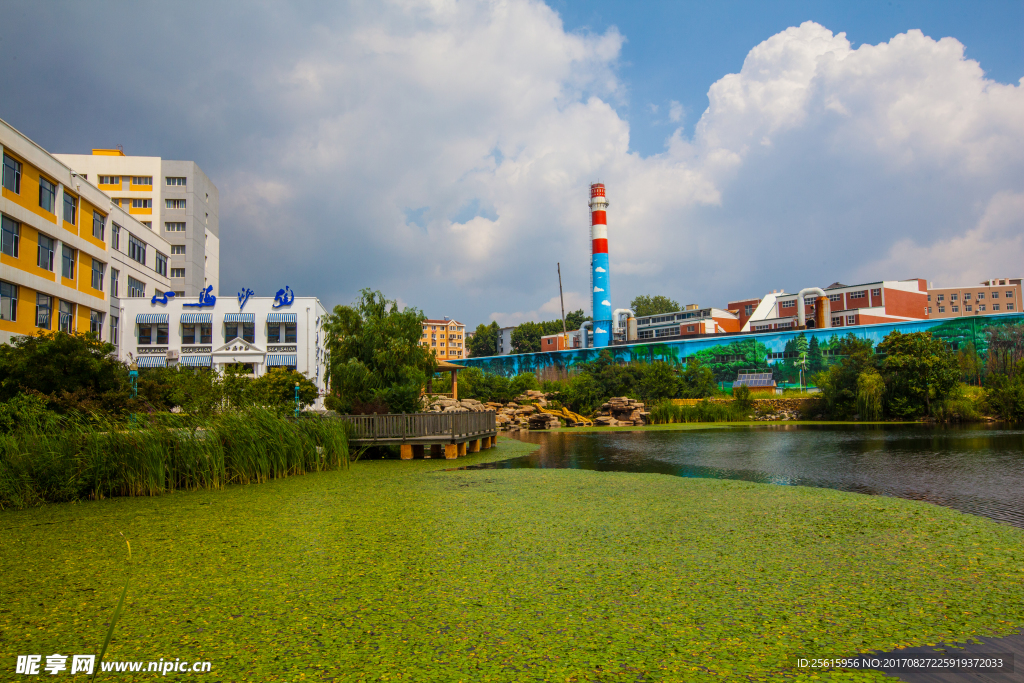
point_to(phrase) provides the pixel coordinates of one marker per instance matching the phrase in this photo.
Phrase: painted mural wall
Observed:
(784, 354)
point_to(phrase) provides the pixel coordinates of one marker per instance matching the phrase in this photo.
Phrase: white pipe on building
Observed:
(583, 333)
(630, 316)
(801, 318)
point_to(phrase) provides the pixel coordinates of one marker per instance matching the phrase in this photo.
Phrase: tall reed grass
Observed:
(79, 458)
(668, 413)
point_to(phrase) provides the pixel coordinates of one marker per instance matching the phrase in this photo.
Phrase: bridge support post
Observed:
(417, 450)
(451, 451)
(474, 446)
(462, 448)
(406, 451)
(435, 450)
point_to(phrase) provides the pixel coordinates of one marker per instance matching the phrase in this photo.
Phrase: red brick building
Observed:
(865, 304)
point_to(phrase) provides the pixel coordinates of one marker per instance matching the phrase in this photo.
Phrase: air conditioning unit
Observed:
(172, 354)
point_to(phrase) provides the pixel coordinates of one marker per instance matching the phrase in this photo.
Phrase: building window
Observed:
(858, 295)
(175, 182)
(160, 264)
(851, 320)
(748, 310)
(145, 335)
(177, 272)
(188, 334)
(995, 307)
(70, 209)
(174, 227)
(136, 289)
(142, 180)
(67, 262)
(1009, 294)
(247, 331)
(967, 308)
(44, 254)
(785, 304)
(691, 328)
(940, 297)
(148, 224)
(113, 282)
(8, 301)
(47, 195)
(177, 249)
(954, 309)
(1009, 307)
(981, 295)
(953, 297)
(66, 316)
(113, 330)
(174, 203)
(43, 306)
(995, 295)
(834, 298)
(142, 203)
(876, 292)
(110, 180)
(929, 298)
(97, 275)
(12, 175)
(981, 307)
(273, 332)
(967, 296)
(942, 309)
(837, 322)
(96, 323)
(153, 334)
(10, 236)
(206, 333)
(98, 221)
(289, 333)
(136, 249)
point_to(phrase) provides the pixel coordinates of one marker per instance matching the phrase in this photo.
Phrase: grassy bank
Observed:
(687, 426)
(401, 571)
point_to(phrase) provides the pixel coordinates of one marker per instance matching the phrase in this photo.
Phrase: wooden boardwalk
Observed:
(455, 433)
(1012, 645)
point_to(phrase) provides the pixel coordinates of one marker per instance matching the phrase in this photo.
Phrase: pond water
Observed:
(977, 469)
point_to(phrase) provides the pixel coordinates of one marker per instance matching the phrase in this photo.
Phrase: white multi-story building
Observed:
(174, 198)
(250, 333)
(69, 256)
(504, 343)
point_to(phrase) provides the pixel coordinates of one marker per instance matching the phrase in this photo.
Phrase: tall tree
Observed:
(917, 370)
(376, 356)
(526, 337)
(645, 305)
(484, 341)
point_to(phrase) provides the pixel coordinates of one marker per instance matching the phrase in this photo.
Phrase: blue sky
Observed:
(441, 151)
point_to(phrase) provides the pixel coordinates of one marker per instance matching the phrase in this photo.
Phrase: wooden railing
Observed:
(434, 426)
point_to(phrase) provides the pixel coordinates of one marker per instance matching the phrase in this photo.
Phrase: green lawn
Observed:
(399, 571)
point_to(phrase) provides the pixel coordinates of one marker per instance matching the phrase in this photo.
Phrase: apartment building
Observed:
(864, 304)
(998, 295)
(68, 255)
(504, 343)
(446, 338)
(173, 198)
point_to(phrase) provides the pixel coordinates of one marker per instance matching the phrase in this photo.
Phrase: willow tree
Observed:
(377, 362)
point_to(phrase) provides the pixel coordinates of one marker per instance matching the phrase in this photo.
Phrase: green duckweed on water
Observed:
(399, 571)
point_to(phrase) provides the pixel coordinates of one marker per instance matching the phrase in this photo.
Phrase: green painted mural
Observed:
(784, 354)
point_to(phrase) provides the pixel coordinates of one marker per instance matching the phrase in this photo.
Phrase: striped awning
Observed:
(151, 362)
(195, 361)
(195, 318)
(282, 318)
(281, 359)
(151, 318)
(240, 318)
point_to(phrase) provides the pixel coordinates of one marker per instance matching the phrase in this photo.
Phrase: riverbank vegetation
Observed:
(399, 571)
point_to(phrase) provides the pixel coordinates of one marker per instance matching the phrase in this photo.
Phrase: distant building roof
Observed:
(836, 285)
(428, 321)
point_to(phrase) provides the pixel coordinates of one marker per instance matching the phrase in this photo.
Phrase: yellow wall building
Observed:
(66, 251)
(446, 338)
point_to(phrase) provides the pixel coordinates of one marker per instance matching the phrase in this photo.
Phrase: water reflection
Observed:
(977, 469)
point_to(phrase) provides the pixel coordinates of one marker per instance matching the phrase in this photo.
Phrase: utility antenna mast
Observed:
(562, 299)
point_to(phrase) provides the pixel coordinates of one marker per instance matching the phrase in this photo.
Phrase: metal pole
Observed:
(296, 399)
(133, 377)
(562, 299)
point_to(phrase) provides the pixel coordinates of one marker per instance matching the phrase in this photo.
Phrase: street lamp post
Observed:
(133, 377)
(296, 399)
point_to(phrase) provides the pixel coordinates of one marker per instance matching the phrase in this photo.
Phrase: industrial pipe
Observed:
(801, 316)
(583, 333)
(632, 316)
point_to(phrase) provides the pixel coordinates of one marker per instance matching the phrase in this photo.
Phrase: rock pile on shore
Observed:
(621, 411)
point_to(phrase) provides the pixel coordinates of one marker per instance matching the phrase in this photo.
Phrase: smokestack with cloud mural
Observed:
(602, 309)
